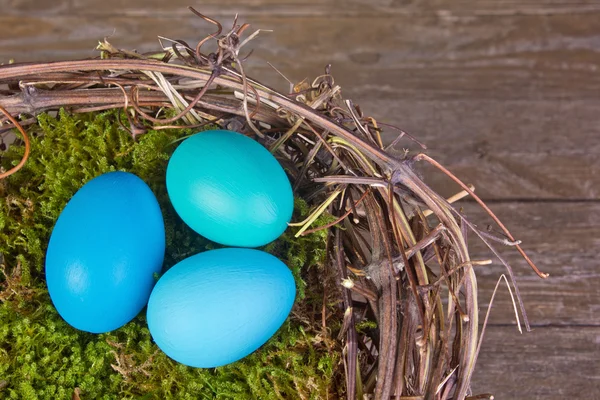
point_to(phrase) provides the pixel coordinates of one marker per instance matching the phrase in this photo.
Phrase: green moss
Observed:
(41, 357)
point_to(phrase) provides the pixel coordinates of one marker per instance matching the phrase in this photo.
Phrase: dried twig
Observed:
(25, 143)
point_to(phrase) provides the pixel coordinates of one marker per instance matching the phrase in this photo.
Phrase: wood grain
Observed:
(562, 239)
(511, 57)
(522, 149)
(547, 364)
(311, 7)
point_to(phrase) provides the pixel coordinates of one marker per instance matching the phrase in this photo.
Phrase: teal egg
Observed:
(229, 189)
(217, 307)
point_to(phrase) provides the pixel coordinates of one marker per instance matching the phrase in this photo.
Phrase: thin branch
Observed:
(485, 207)
(25, 141)
(338, 220)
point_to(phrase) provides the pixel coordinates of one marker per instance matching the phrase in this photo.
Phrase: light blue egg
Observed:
(217, 307)
(105, 248)
(230, 189)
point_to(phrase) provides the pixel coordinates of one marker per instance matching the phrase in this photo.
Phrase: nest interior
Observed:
(388, 305)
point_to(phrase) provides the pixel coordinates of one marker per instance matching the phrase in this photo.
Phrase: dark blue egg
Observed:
(105, 248)
(230, 189)
(217, 307)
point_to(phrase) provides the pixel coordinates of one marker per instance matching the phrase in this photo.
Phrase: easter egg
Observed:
(104, 250)
(229, 189)
(217, 307)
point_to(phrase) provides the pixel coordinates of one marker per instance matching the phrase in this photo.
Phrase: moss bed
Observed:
(42, 357)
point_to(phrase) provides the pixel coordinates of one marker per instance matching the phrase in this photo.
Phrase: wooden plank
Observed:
(179, 8)
(417, 57)
(510, 7)
(509, 149)
(19, 7)
(525, 175)
(547, 364)
(562, 239)
(342, 7)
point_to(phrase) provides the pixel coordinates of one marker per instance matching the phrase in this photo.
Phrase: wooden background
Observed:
(505, 92)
